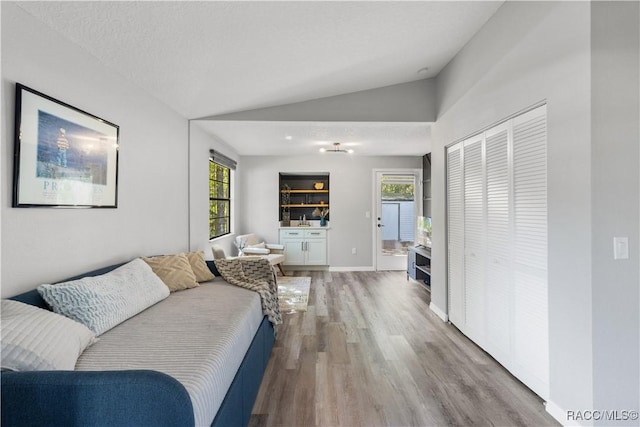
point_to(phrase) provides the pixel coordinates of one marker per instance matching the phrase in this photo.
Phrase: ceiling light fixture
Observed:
(336, 149)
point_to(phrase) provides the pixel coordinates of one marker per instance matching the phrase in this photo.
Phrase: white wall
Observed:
(351, 195)
(42, 245)
(199, 145)
(615, 171)
(526, 53)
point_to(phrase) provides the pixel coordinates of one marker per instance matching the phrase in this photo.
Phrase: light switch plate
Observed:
(620, 248)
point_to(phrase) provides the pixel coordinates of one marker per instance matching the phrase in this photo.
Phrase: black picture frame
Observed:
(64, 157)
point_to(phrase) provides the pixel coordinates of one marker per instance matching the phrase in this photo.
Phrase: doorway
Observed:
(398, 203)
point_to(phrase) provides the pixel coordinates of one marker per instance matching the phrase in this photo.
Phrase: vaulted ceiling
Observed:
(207, 58)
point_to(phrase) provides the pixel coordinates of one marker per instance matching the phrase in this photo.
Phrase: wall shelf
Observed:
(305, 191)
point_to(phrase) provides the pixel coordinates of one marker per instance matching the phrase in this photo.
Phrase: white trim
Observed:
(342, 269)
(441, 314)
(556, 412)
(417, 172)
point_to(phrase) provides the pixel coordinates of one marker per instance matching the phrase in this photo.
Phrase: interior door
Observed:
(398, 198)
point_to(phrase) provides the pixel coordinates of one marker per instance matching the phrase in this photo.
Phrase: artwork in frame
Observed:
(64, 157)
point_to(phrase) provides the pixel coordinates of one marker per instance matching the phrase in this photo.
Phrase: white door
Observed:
(396, 212)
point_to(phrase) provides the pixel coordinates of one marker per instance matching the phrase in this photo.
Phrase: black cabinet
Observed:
(419, 265)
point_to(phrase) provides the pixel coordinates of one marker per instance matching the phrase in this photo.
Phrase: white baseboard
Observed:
(441, 314)
(342, 269)
(560, 416)
(556, 412)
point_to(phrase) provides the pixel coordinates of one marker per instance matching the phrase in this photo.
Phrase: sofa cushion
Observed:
(104, 301)
(199, 266)
(34, 339)
(174, 270)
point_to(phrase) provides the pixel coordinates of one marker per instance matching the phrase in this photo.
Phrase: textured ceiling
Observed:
(204, 58)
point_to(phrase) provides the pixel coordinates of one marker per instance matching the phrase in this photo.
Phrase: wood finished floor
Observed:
(369, 352)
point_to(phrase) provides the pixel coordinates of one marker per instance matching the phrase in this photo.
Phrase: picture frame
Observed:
(64, 157)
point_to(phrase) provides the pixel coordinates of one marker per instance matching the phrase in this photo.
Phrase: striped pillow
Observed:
(34, 339)
(102, 302)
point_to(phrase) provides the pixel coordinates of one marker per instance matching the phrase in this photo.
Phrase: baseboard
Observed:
(556, 412)
(560, 416)
(342, 269)
(441, 314)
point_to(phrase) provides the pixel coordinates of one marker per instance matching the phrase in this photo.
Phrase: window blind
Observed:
(221, 159)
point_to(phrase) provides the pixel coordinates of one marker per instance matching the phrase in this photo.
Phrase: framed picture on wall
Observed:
(63, 156)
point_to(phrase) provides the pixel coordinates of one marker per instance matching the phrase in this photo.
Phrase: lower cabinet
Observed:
(304, 247)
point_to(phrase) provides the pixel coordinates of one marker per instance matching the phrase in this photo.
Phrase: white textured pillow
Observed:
(102, 302)
(34, 339)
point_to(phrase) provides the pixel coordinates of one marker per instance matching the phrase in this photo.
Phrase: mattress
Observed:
(198, 336)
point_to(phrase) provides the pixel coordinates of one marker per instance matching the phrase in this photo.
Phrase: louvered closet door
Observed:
(498, 232)
(474, 238)
(455, 235)
(497, 244)
(531, 327)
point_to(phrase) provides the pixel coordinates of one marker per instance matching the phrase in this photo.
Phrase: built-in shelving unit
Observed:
(300, 196)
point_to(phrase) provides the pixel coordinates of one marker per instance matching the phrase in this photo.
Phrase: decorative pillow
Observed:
(261, 245)
(34, 339)
(199, 266)
(174, 270)
(102, 302)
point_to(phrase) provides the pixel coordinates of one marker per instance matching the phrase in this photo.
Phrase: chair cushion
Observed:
(274, 259)
(248, 239)
(255, 251)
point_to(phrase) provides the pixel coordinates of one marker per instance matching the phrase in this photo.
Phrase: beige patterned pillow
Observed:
(199, 266)
(174, 270)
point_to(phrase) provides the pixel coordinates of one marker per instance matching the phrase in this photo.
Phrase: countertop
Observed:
(304, 228)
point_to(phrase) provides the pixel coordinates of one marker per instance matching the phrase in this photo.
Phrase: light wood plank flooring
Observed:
(369, 352)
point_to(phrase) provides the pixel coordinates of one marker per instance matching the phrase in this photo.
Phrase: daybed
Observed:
(196, 357)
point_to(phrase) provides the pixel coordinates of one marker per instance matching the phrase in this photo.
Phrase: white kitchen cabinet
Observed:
(304, 246)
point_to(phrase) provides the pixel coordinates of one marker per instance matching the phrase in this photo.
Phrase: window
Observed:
(220, 168)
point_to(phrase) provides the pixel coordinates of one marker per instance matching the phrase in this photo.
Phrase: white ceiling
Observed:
(205, 58)
(306, 138)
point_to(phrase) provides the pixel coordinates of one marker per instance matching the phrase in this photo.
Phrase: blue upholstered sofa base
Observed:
(237, 405)
(125, 398)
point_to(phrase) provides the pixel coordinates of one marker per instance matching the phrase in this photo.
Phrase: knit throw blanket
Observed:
(256, 274)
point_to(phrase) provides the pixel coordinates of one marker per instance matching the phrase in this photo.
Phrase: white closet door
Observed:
(455, 234)
(530, 307)
(474, 238)
(497, 244)
(498, 232)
